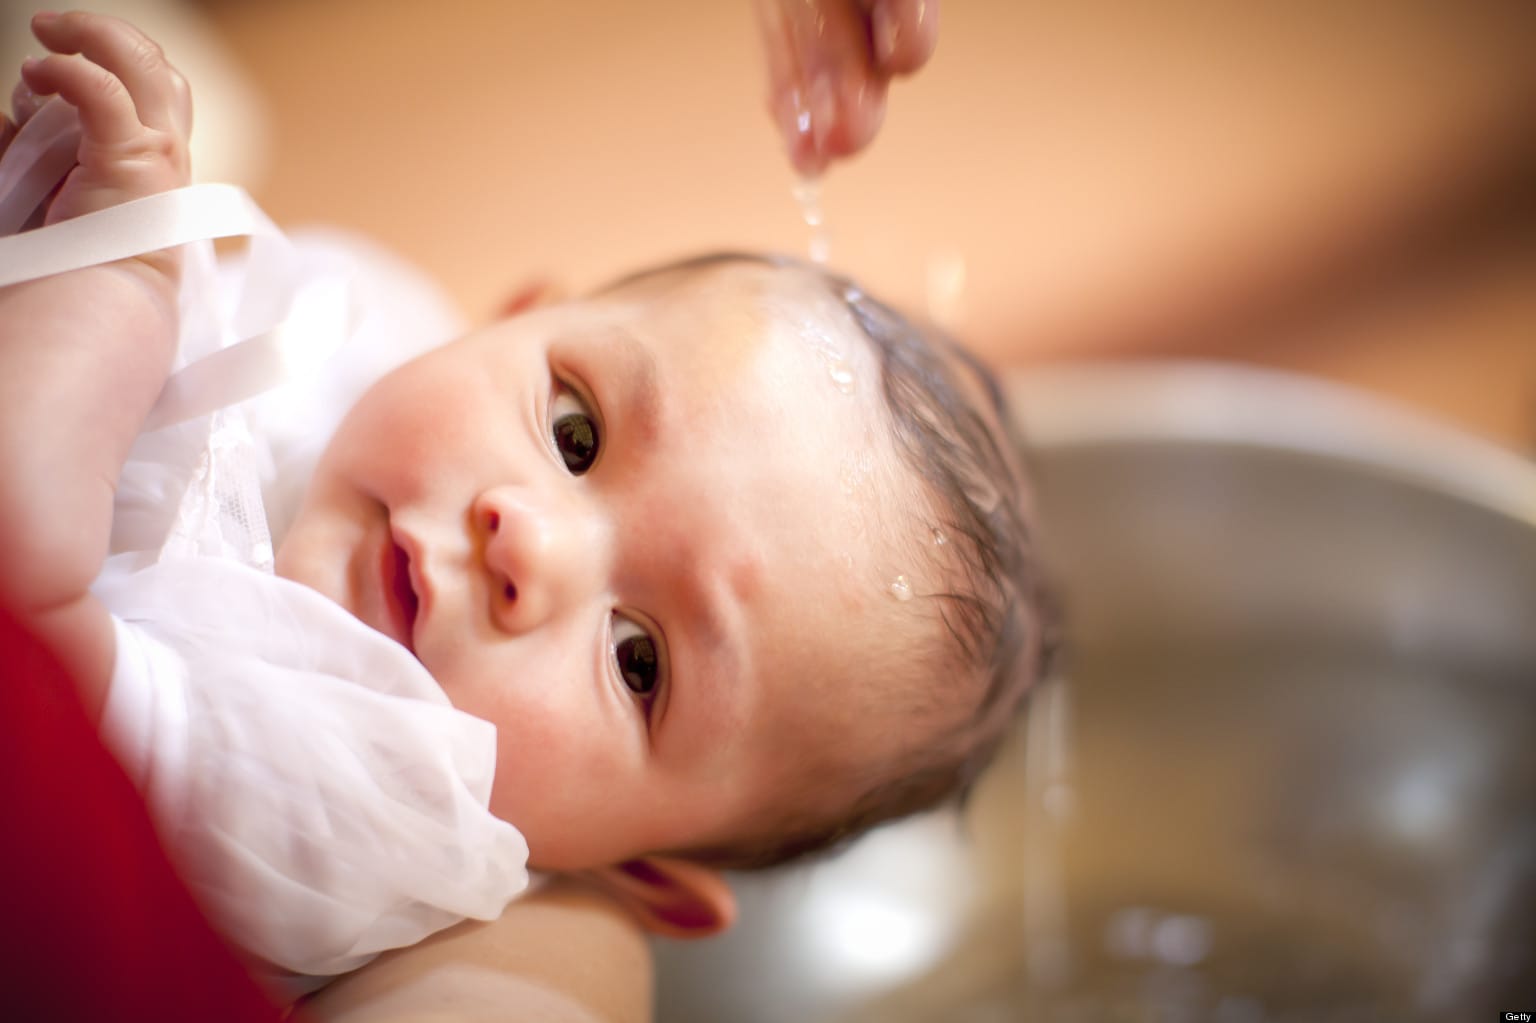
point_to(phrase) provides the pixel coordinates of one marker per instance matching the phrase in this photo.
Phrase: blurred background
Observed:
(1289, 772)
(1340, 188)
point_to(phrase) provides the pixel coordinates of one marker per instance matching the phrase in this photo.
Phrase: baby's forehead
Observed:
(771, 287)
(786, 329)
(788, 313)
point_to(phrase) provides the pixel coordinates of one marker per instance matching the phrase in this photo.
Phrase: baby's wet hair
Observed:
(953, 431)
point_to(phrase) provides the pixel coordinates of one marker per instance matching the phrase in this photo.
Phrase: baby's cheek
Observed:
(539, 783)
(320, 542)
(538, 725)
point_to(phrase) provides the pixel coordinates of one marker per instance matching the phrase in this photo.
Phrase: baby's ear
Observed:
(671, 897)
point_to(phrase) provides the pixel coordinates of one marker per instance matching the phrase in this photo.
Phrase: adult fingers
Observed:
(903, 33)
(825, 93)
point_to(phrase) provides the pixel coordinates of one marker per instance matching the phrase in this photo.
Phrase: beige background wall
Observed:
(1343, 188)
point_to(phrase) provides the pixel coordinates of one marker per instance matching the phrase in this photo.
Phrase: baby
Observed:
(734, 559)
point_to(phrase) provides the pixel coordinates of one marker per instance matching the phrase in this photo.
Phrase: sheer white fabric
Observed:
(317, 790)
(322, 798)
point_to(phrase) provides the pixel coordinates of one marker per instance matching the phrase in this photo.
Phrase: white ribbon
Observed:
(263, 354)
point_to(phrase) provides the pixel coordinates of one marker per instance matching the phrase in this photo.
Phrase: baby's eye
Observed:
(638, 659)
(575, 432)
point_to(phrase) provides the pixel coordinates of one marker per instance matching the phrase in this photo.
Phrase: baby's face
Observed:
(641, 535)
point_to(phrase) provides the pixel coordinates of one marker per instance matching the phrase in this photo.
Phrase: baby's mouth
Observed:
(402, 599)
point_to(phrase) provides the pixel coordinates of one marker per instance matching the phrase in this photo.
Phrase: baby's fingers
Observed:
(157, 90)
(24, 103)
(107, 113)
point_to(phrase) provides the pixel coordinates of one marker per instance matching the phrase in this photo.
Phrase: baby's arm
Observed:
(84, 354)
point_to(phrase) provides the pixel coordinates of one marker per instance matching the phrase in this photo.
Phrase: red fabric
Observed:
(96, 924)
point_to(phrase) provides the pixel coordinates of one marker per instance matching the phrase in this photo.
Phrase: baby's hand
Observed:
(23, 105)
(829, 63)
(135, 113)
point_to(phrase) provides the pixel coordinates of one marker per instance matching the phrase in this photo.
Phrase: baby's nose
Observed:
(542, 555)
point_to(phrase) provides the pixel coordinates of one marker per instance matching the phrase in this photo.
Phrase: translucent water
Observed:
(901, 589)
(831, 357)
(807, 195)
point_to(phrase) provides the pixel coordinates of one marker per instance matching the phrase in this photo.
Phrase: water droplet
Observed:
(807, 194)
(842, 376)
(901, 589)
(821, 246)
(939, 539)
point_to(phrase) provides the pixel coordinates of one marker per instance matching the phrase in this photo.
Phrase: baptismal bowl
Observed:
(1287, 772)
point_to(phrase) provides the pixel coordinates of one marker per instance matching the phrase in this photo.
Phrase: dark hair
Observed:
(953, 430)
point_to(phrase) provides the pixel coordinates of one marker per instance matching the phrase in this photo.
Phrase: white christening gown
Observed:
(314, 786)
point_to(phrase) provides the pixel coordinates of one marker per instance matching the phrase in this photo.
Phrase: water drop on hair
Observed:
(939, 539)
(807, 194)
(901, 589)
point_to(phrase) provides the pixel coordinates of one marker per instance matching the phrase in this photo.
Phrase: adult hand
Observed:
(829, 65)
